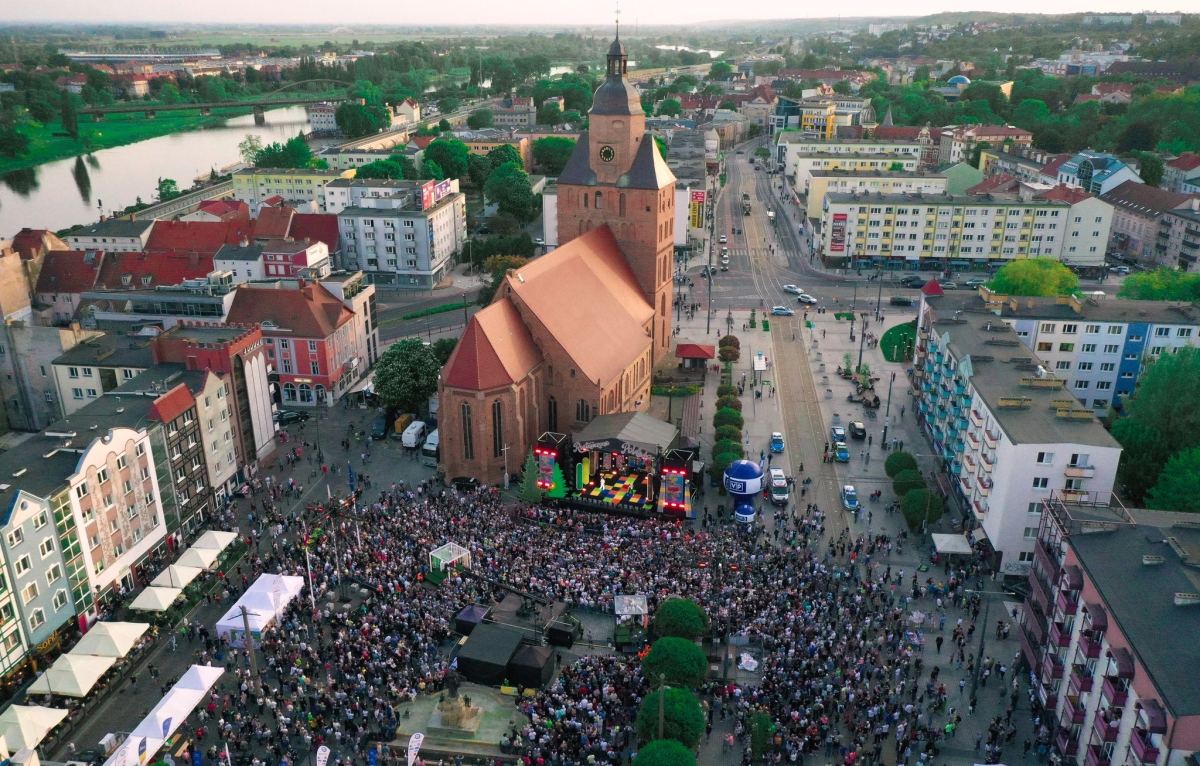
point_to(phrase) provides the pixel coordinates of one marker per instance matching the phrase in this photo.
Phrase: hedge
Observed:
(729, 432)
(729, 340)
(727, 417)
(675, 391)
(435, 310)
(728, 445)
(726, 390)
(729, 402)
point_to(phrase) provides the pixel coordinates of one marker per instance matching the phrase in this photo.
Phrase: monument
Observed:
(455, 717)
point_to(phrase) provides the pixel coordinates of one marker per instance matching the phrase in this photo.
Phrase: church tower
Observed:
(616, 176)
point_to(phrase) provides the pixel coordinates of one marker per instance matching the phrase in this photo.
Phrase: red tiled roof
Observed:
(1185, 161)
(320, 227)
(310, 312)
(69, 271)
(991, 183)
(1051, 167)
(124, 271)
(896, 133)
(172, 404)
(1104, 88)
(273, 222)
(695, 351)
(197, 236)
(423, 141)
(1145, 200)
(32, 243)
(1068, 194)
(225, 208)
(272, 201)
(495, 350)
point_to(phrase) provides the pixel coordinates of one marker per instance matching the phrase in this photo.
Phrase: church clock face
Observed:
(607, 153)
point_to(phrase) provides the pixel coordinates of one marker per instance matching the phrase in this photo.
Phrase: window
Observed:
(29, 593)
(498, 442)
(468, 444)
(46, 547)
(1116, 329)
(1107, 366)
(1081, 384)
(1088, 348)
(15, 538)
(60, 599)
(76, 393)
(1041, 482)
(37, 618)
(1070, 329)
(1048, 328)
(1162, 332)
(1073, 484)
(1103, 385)
(1184, 332)
(583, 412)
(1085, 367)
(12, 641)
(1126, 376)
(1156, 350)
(22, 565)
(552, 403)
(40, 520)
(315, 367)
(1045, 458)
(1099, 404)
(1091, 329)
(53, 573)
(1066, 347)
(1034, 507)
(72, 372)
(1079, 459)
(1030, 533)
(102, 476)
(1111, 348)
(1043, 346)
(1063, 365)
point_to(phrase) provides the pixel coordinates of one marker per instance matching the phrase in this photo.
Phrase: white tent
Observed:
(176, 576)
(952, 544)
(25, 726)
(164, 719)
(154, 599)
(110, 639)
(200, 677)
(215, 540)
(290, 587)
(198, 557)
(265, 600)
(72, 675)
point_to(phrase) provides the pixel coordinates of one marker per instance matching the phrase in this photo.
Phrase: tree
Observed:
(1045, 277)
(669, 108)
(728, 418)
(1178, 484)
(842, 88)
(167, 189)
(357, 120)
(480, 118)
(664, 752)
(380, 169)
(680, 618)
(682, 719)
(13, 143)
(1164, 419)
(921, 506)
(1030, 113)
(408, 168)
(448, 104)
(443, 348)
(444, 125)
(432, 170)
(508, 186)
(1152, 167)
(661, 143)
(720, 71)
(406, 375)
(496, 266)
(729, 354)
(450, 155)
(529, 491)
(505, 153)
(292, 154)
(679, 661)
(761, 729)
(249, 148)
(479, 168)
(899, 461)
(552, 153)
(906, 481)
(70, 118)
(1161, 284)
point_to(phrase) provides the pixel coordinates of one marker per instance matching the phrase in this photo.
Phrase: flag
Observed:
(414, 746)
(454, 663)
(322, 755)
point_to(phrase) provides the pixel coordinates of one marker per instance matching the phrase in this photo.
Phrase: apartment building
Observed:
(1181, 171)
(405, 240)
(939, 231)
(515, 113)
(114, 235)
(957, 143)
(358, 295)
(867, 182)
(322, 119)
(274, 258)
(97, 365)
(1137, 232)
(1096, 173)
(1006, 429)
(1108, 631)
(1089, 223)
(1182, 240)
(297, 186)
(35, 594)
(350, 192)
(791, 145)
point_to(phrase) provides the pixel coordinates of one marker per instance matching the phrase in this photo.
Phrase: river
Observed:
(67, 192)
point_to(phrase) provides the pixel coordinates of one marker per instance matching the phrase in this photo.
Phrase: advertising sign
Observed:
(322, 755)
(837, 234)
(427, 194)
(414, 746)
(696, 210)
(441, 189)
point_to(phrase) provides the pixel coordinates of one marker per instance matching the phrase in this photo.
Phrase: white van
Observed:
(414, 435)
(430, 452)
(779, 487)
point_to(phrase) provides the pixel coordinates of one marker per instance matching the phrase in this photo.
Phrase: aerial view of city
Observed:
(380, 384)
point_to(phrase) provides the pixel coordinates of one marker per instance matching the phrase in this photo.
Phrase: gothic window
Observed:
(497, 429)
(622, 205)
(585, 199)
(599, 201)
(583, 413)
(468, 444)
(552, 414)
(662, 305)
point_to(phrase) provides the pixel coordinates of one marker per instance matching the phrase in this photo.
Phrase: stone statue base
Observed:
(454, 719)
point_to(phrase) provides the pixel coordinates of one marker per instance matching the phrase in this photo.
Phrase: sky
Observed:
(351, 12)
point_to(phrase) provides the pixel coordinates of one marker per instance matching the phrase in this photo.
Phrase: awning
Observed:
(72, 675)
(110, 639)
(215, 540)
(165, 718)
(951, 544)
(25, 726)
(695, 351)
(366, 385)
(176, 576)
(1123, 659)
(154, 599)
(629, 433)
(1073, 577)
(1156, 717)
(978, 535)
(1097, 616)
(198, 557)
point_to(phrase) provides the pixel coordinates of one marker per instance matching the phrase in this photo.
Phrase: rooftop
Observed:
(1144, 199)
(113, 227)
(928, 198)
(876, 172)
(109, 351)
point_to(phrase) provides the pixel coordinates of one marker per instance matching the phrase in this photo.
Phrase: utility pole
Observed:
(879, 295)
(862, 339)
(254, 686)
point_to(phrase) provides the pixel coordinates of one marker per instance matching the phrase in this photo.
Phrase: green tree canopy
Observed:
(450, 155)
(1151, 167)
(356, 120)
(1163, 420)
(167, 189)
(294, 153)
(406, 375)
(921, 505)
(448, 104)
(1178, 484)
(664, 752)
(249, 148)
(842, 88)
(728, 418)
(480, 118)
(505, 153)
(720, 71)
(70, 118)
(1044, 277)
(906, 481)
(443, 348)
(677, 660)
(899, 461)
(682, 719)
(669, 107)
(508, 186)
(479, 168)
(380, 169)
(432, 170)
(552, 152)
(680, 618)
(1161, 284)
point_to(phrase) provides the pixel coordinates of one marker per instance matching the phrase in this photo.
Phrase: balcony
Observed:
(1067, 743)
(1116, 696)
(1039, 592)
(1089, 647)
(1094, 756)
(987, 462)
(1139, 742)
(968, 460)
(1105, 730)
(989, 439)
(1055, 667)
(976, 419)
(1081, 680)
(1028, 648)
(1047, 558)
(1066, 605)
(1059, 634)
(1079, 471)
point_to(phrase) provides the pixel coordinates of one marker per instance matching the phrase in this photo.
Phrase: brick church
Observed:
(576, 333)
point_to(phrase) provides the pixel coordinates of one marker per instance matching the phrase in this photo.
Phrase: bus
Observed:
(745, 203)
(430, 451)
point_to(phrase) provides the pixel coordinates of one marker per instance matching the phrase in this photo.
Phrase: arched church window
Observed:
(622, 205)
(599, 201)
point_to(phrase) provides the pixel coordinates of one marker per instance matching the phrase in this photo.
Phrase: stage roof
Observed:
(628, 427)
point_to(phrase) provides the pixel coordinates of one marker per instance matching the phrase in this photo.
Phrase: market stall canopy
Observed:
(25, 726)
(695, 351)
(72, 675)
(154, 599)
(178, 703)
(176, 576)
(198, 557)
(952, 544)
(285, 585)
(629, 433)
(110, 639)
(198, 677)
(215, 540)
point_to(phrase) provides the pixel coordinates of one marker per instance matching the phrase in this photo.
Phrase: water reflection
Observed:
(83, 181)
(22, 182)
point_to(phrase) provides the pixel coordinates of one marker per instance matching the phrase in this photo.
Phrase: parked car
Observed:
(704, 272)
(776, 442)
(791, 289)
(850, 498)
(539, 242)
(782, 311)
(975, 283)
(946, 284)
(912, 281)
(380, 428)
(902, 300)
(857, 430)
(806, 298)
(1119, 269)
(837, 433)
(287, 417)
(841, 452)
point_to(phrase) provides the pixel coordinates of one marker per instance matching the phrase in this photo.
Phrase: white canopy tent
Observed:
(289, 586)
(154, 599)
(110, 639)
(952, 544)
(25, 726)
(72, 675)
(265, 601)
(198, 557)
(176, 576)
(165, 718)
(215, 540)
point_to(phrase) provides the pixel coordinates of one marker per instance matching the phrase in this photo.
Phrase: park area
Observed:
(898, 342)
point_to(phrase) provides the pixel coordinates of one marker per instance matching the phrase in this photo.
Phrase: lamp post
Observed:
(862, 338)
(887, 414)
(879, 295)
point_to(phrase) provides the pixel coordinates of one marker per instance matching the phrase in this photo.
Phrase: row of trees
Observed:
(727, 418)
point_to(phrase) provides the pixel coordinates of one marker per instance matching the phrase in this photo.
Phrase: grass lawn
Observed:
(898, 342)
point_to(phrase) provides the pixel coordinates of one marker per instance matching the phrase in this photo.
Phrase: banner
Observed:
(322, 755)
(837, 234)
(414, 746)
(427, 195)
(372, 757)
(441, 189)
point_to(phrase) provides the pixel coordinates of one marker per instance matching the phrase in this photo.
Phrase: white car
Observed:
(723, 239)
(806, 298)
(849, 498)
(792, 289)
(782, 311)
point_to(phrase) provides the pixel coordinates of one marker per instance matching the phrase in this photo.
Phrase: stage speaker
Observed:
(561, 634)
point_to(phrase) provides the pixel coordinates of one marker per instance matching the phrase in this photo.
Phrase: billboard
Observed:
(837, 234)
(441, 189)
(696, 210)
(427, 194)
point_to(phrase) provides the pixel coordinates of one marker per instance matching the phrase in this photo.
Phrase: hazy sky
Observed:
(352, 12)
